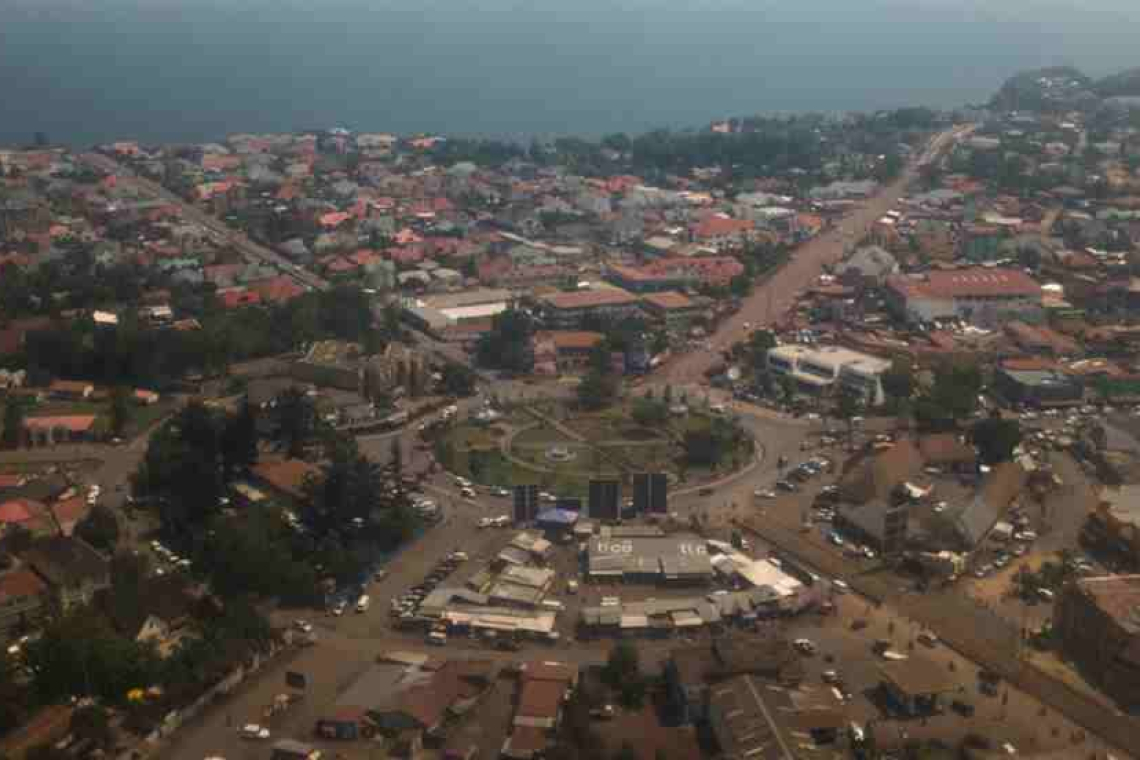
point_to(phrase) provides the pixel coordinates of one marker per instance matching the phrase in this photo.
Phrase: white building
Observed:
(820, 369)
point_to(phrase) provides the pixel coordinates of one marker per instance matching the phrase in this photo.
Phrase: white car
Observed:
(338, 609)
(840, 586)
(486, 522)
(254, 731)
(303, 626)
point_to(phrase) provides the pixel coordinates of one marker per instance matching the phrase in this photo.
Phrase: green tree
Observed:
(622, 673)
(849, 405)
(121, 409)
(507, 345)
(296, 418)
(93, 723)
(458, 380)
(239, 441)
(13, 423)
(181, 470)
(15, 701)
(597, 390)
(953, 397)
(996, 438)
(649, 413)
(898, 381)
(100, 528)
(78, 654)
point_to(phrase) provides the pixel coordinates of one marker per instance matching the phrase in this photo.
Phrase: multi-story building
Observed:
(821, 370)
(980, 295)
(1098, 623)
(674, 310)
(569, 310)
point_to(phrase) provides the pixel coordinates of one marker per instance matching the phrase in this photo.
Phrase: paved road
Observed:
(974, 631)
(772, 300)
(238, 240)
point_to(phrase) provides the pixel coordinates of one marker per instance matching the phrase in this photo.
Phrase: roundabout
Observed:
(561, 448)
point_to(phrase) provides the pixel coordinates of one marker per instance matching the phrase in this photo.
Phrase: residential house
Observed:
(40, 431)
(564, 350)
(23, 599)
(71, 390)
(73, 571)
(158, 614)
(721, 232)
(286, 478)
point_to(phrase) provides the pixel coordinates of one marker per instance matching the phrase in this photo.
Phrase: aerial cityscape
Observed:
(787, 437)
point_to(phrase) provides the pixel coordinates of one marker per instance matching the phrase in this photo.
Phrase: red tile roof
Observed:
(20, 583)
(718, 226)
(334, 219)
(19, 510)
(235, 297)
(277, 289)
(75, 423)
(669, 300)
(964, 283)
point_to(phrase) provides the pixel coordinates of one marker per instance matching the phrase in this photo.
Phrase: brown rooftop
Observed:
(585, 299)
(1118, 596)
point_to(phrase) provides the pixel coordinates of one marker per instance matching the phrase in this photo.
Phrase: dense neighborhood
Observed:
(796, 437)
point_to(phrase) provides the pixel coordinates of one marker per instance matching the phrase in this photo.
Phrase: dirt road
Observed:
(771, 301)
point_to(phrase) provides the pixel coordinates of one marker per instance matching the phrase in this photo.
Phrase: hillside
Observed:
(1043, 89)
(1124, 84)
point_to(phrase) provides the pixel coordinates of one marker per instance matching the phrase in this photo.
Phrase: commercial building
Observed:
(915, 685)
(437, 315)
(822, 369)
(1098, 623)
(981, 295)
(672, 309)
(681, 558)
(569, 310)
(1038, 387)
(882, 524)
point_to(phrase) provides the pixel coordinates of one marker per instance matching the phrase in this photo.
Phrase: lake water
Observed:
(85, 71)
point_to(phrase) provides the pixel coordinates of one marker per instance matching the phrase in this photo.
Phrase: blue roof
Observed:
(558, 516)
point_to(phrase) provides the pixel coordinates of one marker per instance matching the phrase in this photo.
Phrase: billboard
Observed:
(605, 499)
(650, 493)
(526, 503)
